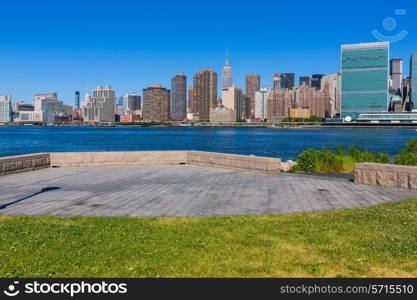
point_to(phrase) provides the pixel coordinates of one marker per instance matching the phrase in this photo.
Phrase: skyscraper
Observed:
(204, 93)
(231, 99)
(305, 80)
(156, 103)
(178, 103)
(261, 103)
(253, 84)
(77, 100)
(413, 78)
(6, 109)
(131, 103)
(316, 81)
(279, 104)
(227, 75)
(190, 99)
(276, 81)
(364, 79)
(287, 80)
(396, 72)
(101, 106)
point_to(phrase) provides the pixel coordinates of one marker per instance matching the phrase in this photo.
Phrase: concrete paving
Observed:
(149, 191)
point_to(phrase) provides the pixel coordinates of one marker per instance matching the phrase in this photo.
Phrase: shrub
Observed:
(408, 155)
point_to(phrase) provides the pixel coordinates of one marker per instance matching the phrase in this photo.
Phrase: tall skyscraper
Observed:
(77, 100)
(227, 75)
(287, 80)
(205, 93)
(331, 84)
(413, 78)
(6, 111)
(190, 100)
(316, 81)
(178, 103)
(156, 100)
(131, 103)
(276, 81)
(101, 106)
(253, 84)
(261, 103)
(364, 79)
(231, 99)
(305, 80)
(396, 72)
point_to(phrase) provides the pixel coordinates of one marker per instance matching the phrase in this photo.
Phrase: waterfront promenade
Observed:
(179, 190)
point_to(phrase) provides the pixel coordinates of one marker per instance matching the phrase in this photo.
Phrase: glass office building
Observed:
(413, 78)
(365, 71)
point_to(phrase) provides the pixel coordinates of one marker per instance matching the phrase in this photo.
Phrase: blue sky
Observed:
(64, 46)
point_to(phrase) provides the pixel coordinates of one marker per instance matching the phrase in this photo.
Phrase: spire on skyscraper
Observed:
(227, 73)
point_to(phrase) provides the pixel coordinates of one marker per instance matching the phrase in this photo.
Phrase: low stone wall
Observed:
(128, 158)
(24, 163)
(233, 161)
(394, 176)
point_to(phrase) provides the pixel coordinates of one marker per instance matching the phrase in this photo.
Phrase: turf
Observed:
(379, 241)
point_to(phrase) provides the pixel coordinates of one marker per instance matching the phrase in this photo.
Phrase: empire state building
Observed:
(227, 75)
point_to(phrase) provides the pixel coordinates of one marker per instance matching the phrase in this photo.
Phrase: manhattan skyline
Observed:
(55, 47)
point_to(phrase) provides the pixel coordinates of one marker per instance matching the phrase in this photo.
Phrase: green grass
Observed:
(375, 241)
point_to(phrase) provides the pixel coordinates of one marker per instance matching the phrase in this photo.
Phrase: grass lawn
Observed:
(376, 241)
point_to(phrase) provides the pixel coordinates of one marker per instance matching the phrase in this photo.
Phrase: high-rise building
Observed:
(204, 93)
(306, 80)
(51, 107)
(156, 100)
(364, 79)
(253, 84)
(6, 112)
(316, 81)
(77, 100)
(331, 84)
(244, 108)
(131, 103)
(287, 80)
(276, 81)
(231, 99)
(317, 101)
(261, 103)
(279, 103)
(227, 80)
(413, 78)
(396, 72)
(101, 106)
(178, 103)
(190, 100)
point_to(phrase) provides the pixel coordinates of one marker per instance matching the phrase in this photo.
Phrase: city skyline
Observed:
(132, 57)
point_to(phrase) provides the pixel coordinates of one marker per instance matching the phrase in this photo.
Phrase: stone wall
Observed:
(24, 163)
(128, 158)
(233, 161)
(78, 159)
(394, 176)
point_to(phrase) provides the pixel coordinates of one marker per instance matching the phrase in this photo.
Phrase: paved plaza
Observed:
(179, 190)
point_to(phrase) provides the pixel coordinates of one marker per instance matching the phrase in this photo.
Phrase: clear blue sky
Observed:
(64, 46)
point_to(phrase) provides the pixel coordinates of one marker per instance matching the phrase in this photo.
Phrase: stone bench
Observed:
(386, 175)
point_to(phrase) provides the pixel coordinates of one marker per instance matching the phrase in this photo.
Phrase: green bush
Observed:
(408, 155)
(339, 160)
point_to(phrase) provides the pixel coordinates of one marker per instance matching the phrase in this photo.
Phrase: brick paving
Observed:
(150, 191)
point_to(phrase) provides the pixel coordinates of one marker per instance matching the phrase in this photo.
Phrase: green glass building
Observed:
(365, 71)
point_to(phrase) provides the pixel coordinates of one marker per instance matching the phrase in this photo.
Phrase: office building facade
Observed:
(396, 72)
(253, 85)
(178, 103)
(156, 103)
(413, 78)
(365, 69)
(261, 103)
(6, 112)
(101, 107)
(204, 93)
(287, 80)
(305, 80)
